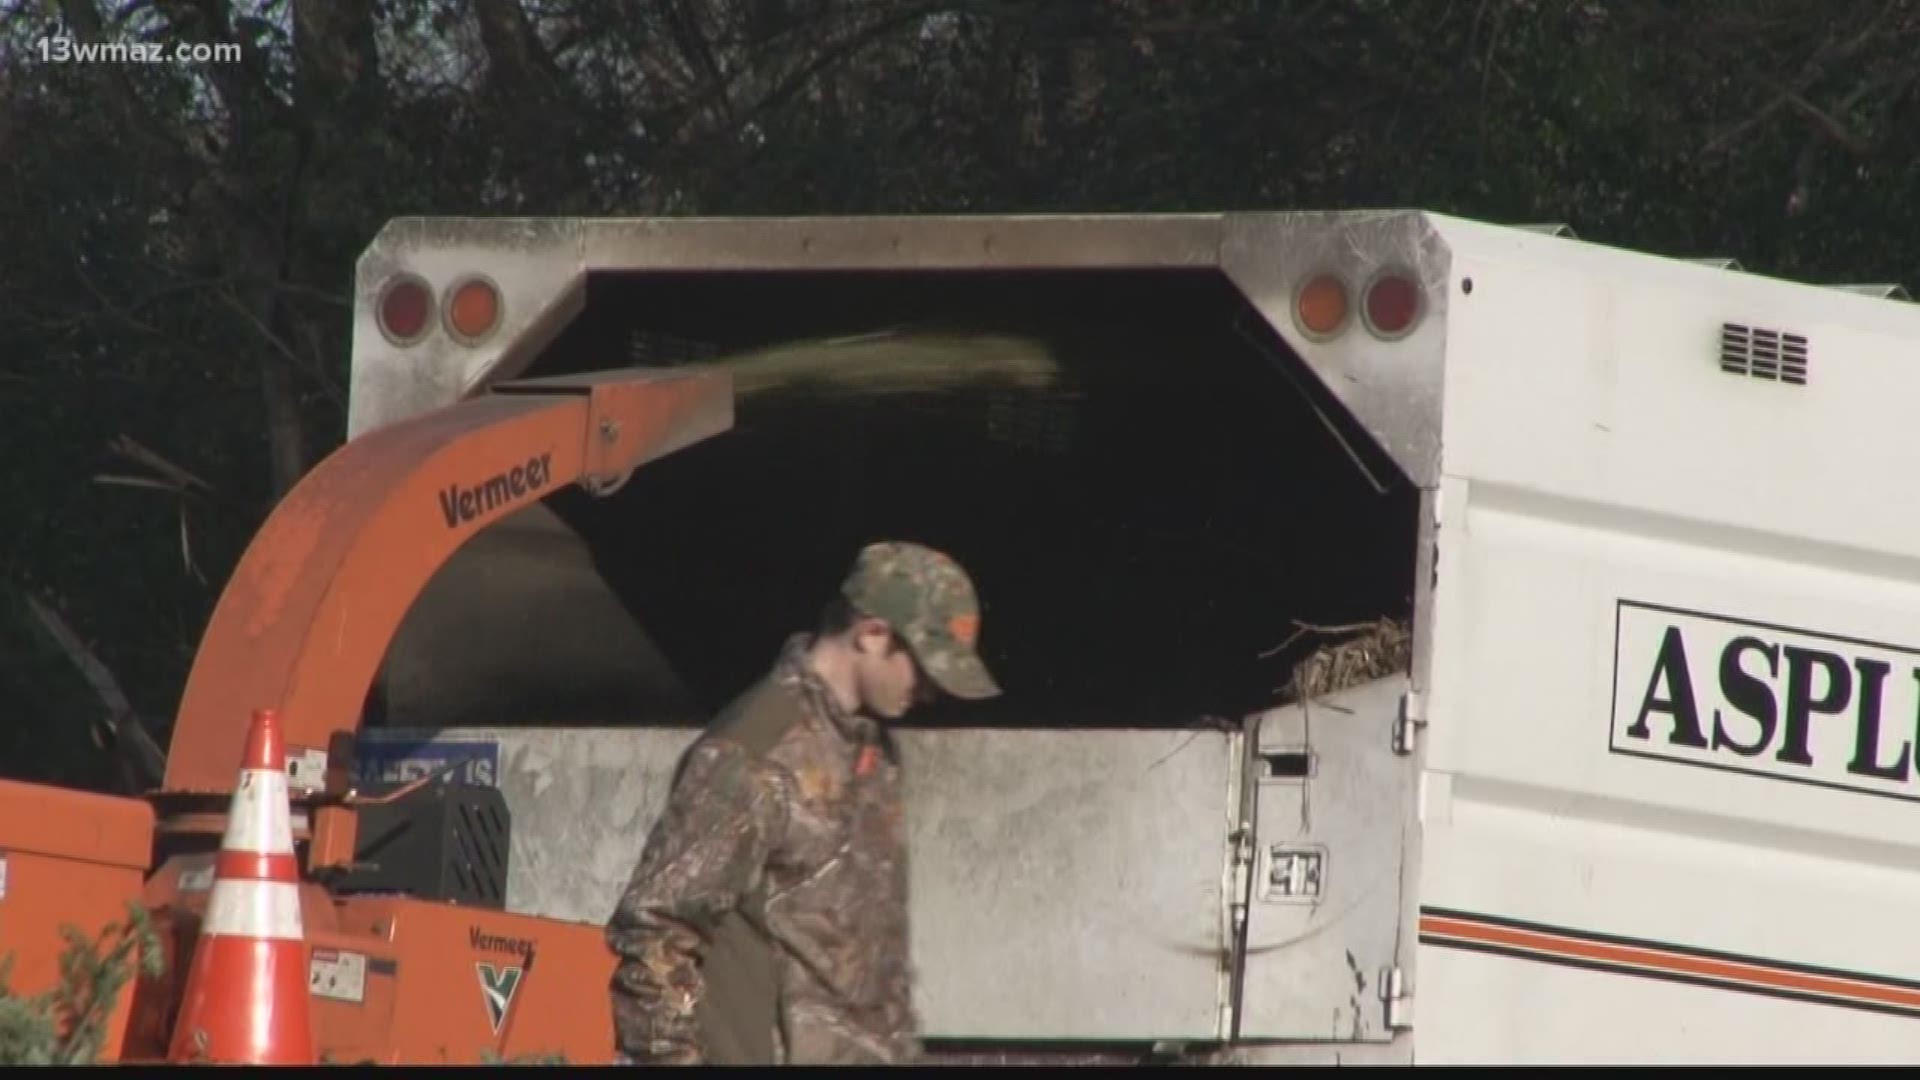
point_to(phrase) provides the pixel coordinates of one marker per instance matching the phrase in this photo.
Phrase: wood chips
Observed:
(1363, 653)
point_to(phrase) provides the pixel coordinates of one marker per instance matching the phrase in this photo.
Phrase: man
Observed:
(766, 922)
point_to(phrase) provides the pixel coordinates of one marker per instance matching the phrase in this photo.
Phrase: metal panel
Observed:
(1588, 374)
(1534, 817)
(1882, 291)
(933, 242)
(1069, 885)
(1328, 884)
(540, 265)
(535, 262)
(1065, 885)
(1391, 388)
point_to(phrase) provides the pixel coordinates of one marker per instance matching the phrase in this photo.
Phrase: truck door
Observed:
(1071, 885)
(1325, 869)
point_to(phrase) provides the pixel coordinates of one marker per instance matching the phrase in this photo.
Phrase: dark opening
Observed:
(1138, 545)
(1287, 765)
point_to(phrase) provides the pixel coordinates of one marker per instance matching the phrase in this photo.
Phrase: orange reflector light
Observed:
(1321, 306)
(404, 309)
(1392, 304)
(473, 309)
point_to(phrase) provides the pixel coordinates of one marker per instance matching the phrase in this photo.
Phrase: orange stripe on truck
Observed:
(1654, 959)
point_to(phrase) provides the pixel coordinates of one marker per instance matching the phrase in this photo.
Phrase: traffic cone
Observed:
(246, 997)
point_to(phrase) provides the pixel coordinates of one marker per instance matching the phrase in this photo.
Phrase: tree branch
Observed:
(699, 52)
(1826, 125)
(130, 737)
(1725, 139)
(287, 352)
(183, 480)
(830, 56)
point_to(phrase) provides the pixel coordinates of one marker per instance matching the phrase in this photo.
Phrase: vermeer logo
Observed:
(459, 505)
(485, 942)
(497, 985)
(1772, 701)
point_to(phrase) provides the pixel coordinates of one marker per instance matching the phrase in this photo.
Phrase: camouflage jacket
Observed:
(766, 920)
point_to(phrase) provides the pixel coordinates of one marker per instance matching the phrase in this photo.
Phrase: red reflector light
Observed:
(1392, 304)
(473, 309)
(1321, 306)
(406, 306)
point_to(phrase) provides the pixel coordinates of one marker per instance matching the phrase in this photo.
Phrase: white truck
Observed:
(1645, 790)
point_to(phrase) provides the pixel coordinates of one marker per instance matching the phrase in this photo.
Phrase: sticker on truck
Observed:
(339, 975)
(1774, 701)
(306, 768)
(398, 761)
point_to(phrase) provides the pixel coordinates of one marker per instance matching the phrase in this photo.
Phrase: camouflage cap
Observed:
(929, 601)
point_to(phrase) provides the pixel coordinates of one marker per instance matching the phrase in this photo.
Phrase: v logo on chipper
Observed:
(497, 986)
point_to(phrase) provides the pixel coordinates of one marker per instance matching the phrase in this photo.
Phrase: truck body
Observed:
(1643, 760)
(1650, 767)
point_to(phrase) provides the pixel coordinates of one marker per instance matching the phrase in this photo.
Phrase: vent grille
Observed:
(479, 861)
(1763, 354)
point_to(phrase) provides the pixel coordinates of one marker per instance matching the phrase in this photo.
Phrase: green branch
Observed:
(68, 1024)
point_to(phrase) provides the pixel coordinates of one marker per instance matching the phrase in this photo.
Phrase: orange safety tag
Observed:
(869, 758)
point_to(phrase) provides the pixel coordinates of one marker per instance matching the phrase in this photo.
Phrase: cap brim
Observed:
(965, 676)
(953, 667)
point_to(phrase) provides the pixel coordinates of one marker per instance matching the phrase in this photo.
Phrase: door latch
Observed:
(1293, 874)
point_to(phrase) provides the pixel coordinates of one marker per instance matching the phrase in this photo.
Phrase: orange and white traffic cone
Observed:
(246, 995)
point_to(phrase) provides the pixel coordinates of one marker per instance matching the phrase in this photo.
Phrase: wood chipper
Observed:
(303, 623)
(1392, 609)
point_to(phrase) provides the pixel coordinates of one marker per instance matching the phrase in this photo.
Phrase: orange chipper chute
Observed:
(306, 618)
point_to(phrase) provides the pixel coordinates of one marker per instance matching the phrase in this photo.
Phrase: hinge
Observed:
(1239, 890)
(1412, 718)
(1242, 876)
(1399, 1001)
